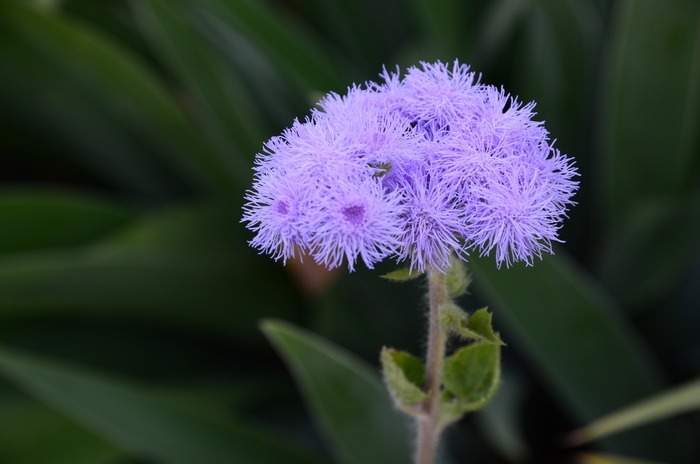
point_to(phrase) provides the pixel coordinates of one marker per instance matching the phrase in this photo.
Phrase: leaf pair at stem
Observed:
(469, 377)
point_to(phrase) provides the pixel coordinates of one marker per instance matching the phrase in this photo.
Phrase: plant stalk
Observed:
(429, 426)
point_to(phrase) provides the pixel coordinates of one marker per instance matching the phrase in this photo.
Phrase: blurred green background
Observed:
(130, 303)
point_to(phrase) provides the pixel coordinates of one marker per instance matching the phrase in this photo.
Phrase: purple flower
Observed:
(517, 213)
(436, 96)
(431, 223)
(354, 217)
(276, 210)
(417, 168)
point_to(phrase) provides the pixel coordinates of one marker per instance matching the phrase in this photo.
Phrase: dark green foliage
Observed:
(345, 396)
(130, 302)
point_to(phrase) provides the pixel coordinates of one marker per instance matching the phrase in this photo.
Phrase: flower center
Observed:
(354, 214)
(281, 207)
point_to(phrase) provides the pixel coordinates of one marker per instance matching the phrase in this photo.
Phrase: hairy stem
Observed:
(429, 426)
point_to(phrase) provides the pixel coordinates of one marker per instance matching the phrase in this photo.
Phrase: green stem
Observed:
(429, 426)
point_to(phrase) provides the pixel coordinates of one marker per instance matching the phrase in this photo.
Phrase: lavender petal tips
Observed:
(416, 168)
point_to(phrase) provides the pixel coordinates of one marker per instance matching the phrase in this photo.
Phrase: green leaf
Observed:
(678, 400)
(140, 422)
(480, 327)
(403, 274)
(458, 278)
(404, 376)
(472, 375)
(651, 110)
(477, 326)
(348, 401)
(100, 107)
(452, 317)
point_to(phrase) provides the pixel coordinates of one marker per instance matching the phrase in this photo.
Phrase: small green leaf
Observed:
(472, 375)
(402, 275)
(452, 318)
(382, 170)
(403, 374)
(458, 278)
(476, 327)
(479, 327)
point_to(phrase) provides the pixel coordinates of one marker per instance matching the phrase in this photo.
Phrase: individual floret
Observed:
(354, 218)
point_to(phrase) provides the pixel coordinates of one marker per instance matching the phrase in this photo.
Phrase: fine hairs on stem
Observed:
(429, 426)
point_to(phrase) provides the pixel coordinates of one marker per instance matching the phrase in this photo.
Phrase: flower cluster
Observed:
(417, 167)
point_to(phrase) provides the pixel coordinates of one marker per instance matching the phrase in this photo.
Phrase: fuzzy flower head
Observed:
(354, 218)
(276, 210)
(515, 214)
(419, 168)
(431, 223)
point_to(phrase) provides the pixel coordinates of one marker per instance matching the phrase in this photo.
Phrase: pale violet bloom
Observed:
(354, 218)
(417, 168)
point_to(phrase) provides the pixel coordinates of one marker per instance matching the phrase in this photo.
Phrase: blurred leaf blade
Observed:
(499, 422)
(367, 30)
(347, 398)
(573, 332)
(32, 219)
(645, 256)
(224, 111)
(175, 266)
(678, 400)
(297, 53)
(101, 103)
(558, 65)
(600, 458)
(443, 22)
(649, 137)
(139, 422)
